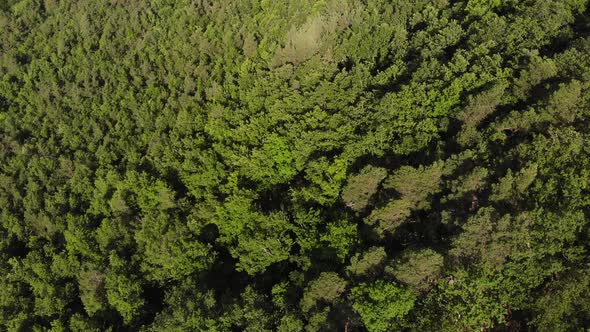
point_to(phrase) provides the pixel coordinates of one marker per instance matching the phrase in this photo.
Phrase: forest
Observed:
(299, 165)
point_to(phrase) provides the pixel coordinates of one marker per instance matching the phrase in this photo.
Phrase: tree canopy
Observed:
(309, 165)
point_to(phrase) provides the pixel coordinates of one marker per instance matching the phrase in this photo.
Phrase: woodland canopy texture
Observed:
(294, 165)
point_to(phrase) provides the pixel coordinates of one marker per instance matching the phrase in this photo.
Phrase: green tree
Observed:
(382, 305)
(362, 186)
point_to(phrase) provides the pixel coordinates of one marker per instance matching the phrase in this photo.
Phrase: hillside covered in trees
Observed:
(305, 165)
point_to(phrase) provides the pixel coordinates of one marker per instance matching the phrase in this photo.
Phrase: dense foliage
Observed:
(308, 165)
